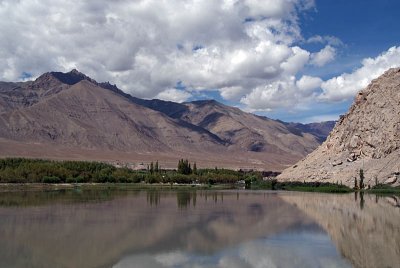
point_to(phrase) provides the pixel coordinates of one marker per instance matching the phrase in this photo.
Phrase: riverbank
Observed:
(31, 174)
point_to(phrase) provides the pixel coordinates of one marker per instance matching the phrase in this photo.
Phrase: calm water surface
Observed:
(115, 228)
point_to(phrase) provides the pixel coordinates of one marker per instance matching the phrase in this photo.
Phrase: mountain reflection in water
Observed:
(194, 229)
(365, 228)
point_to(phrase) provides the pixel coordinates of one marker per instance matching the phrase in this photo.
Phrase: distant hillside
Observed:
(245, 130)
(71, 116)
(320, 130)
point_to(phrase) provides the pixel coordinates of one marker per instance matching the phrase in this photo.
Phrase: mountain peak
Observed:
(69, 78)
(206, 102)
(72, 77)
(75, 71)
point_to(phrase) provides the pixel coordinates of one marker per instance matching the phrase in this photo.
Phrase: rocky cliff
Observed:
(367, 137)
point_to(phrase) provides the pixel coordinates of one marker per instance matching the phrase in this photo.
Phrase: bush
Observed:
(153, 178)
(79, 179)
(51, 179)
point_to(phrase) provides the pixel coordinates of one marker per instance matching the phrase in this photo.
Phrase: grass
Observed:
(300, 186)
(384, 189)
(12, 187)
(320, 189)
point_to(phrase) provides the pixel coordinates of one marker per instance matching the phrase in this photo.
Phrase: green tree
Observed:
(273, 184)
(151, 168)
(361, 178)
(194, 168)
(184, 167)
(156, 168)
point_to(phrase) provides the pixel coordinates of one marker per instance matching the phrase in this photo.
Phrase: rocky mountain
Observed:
(367, 137)
(87, 115)
(70, 115)
(320, 130)
(243, 131)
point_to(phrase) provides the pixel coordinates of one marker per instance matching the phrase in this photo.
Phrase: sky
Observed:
(293, 60)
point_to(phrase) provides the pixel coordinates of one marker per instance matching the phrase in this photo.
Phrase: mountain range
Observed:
(71, 116)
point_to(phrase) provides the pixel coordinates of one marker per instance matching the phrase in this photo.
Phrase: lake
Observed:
(204, 228)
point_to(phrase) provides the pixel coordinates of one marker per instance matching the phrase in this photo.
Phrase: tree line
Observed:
(21, 170)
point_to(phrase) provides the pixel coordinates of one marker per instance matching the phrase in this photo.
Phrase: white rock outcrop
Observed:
(367, 137)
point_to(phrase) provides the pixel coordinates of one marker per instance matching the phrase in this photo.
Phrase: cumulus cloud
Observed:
(234, 93)
(288, 93)
(249, 50)
(147, 47)
(327, 39)
(296, 94)
(174, 95)
(322, 57)
(321, 118)
(296, 61)
(271, 96)
(345, 86)
(308, 83)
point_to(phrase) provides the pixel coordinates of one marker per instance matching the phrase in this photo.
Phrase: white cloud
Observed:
(345, 86)
(233, 93)
(296, 61)
(322, 57)
(147, 46)
(247, 50)
(295, 95)
(270, 8)
(274, 95)
(308, 83)
(174, 95)
(327, 39)
(321, 118)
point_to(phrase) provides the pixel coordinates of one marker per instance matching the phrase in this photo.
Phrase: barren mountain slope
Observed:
(245, 131)
(24, 94)
(367, 137)
(71, 116)
(89, 116)
(241, 130)
(321, 130)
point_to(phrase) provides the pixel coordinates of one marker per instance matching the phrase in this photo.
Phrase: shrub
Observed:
(51, 179)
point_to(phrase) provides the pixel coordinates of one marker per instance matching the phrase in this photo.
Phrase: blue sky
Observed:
(366, 28)
(294, 60)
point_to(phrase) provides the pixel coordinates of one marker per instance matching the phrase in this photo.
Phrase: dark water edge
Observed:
(120, 227)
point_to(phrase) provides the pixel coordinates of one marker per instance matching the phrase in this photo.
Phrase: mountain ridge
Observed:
(75, 111)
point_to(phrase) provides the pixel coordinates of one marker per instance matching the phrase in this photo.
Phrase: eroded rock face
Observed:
(367, 137)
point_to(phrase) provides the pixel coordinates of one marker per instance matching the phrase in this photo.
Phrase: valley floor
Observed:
(234, 160)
